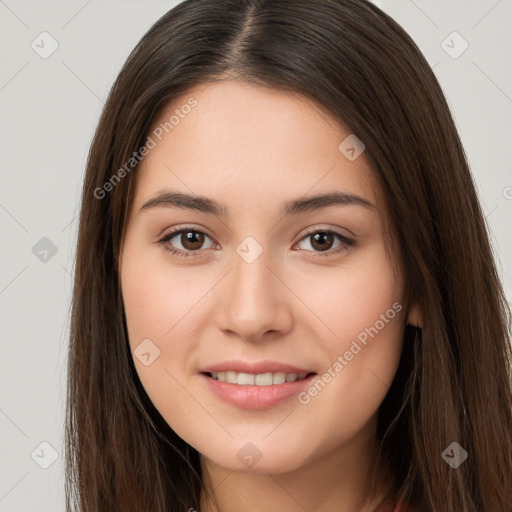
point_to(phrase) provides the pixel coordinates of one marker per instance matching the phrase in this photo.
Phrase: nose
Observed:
(252, 303)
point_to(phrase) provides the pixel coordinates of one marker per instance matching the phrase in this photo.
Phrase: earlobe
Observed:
(415, 316)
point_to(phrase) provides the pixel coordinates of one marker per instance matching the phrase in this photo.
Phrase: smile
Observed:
(257, 385)
(259, 379)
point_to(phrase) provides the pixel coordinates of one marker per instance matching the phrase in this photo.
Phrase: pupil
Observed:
(320, 238)
(192, 240)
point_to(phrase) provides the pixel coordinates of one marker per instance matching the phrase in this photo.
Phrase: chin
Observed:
(260, 456)
(267, 464)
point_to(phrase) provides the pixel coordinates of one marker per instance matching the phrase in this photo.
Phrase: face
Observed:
(265, 326)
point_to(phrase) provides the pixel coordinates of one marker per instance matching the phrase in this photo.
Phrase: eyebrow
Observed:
(173, 199)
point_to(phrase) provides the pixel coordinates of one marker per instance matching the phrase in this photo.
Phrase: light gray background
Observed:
(48, 111)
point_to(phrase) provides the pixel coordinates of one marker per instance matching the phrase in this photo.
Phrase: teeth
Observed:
(231, 377)
(279, 378)
(261, 379)
(245, 379)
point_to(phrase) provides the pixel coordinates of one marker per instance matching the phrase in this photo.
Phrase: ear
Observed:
(414, 316)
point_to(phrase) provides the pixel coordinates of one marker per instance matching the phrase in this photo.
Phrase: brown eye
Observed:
(192, 240)
(185, 241)
(323, 243)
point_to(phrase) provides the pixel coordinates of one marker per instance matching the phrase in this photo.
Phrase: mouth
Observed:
(256, 389)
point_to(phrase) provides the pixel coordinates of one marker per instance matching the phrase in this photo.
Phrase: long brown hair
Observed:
(453, 382)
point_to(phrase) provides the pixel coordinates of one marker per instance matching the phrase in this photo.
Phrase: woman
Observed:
(285, 296)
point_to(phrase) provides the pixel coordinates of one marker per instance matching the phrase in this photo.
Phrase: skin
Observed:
(252, 149)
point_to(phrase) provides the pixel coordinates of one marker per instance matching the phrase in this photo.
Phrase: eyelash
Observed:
(346, 244)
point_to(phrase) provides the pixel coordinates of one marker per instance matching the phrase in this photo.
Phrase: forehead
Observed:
(246, 143)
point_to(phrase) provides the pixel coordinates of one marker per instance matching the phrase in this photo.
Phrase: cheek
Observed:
(362, 307)
(157, 300)
(160, 314)
(351, 298)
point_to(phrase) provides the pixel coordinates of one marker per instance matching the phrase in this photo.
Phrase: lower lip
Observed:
(255, 397)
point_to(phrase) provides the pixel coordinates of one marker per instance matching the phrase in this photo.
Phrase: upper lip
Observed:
(254, 368)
